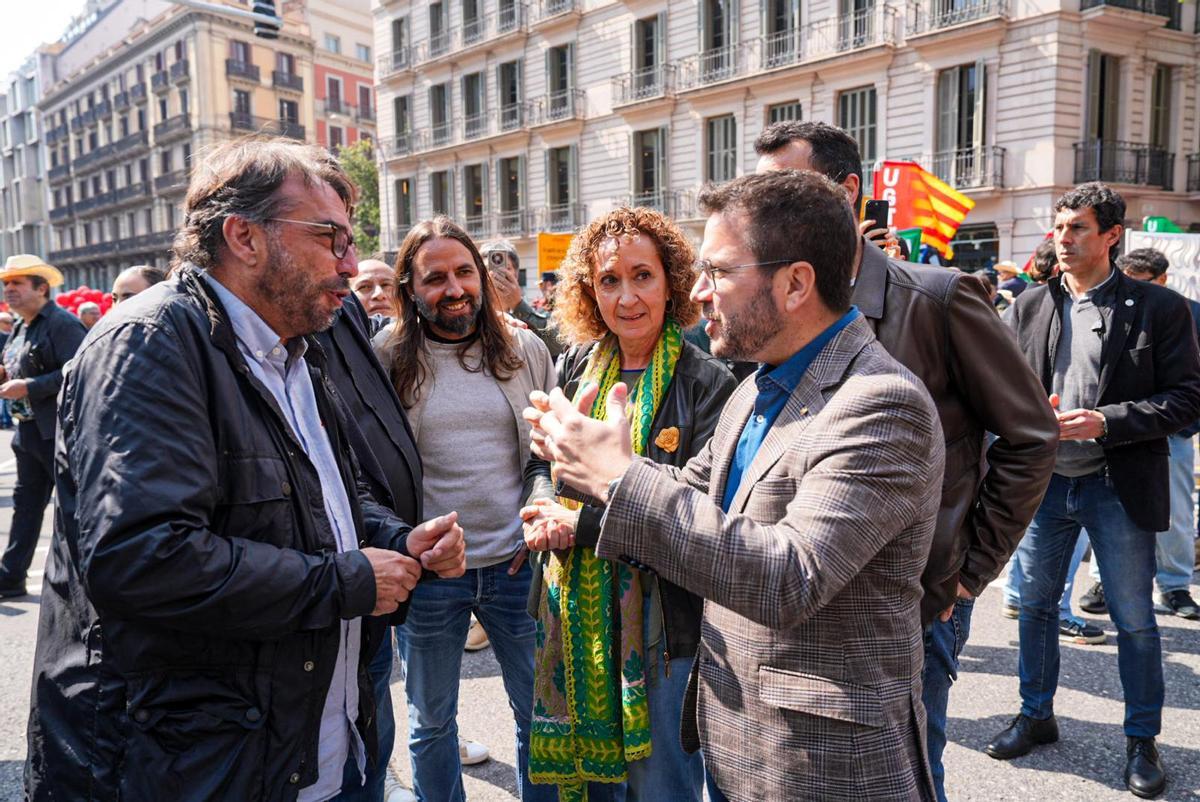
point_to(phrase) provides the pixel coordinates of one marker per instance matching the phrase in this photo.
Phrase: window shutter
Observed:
(660, 40)
(947, 109)
(979, 134)
(661, 180)
(1093, 95)
(573, 175)
(634, 46)
(1112, 97)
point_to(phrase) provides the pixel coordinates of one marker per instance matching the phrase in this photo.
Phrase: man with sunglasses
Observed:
(216, 580)
(939, 324)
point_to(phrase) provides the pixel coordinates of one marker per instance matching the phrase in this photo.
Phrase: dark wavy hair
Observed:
(407, 342)
(1144, 260)
(1102, 199)
(1045, 261)
(835, 153)
(241, 178)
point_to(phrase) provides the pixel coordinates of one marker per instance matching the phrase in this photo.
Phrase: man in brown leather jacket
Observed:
(939, 324)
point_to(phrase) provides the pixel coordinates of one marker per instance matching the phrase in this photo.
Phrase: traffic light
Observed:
(262, 28)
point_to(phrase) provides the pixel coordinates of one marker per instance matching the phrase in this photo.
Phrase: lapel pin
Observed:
(803, 410)
(668, 439)
(1129, 302)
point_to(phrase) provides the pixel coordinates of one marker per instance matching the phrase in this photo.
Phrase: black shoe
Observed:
(1021, 736)
(1093, 601)
(1144, 775)
(1178, 602)
(1079, 632)
(10, 590)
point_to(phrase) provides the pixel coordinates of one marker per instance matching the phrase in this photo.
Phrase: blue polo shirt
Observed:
(775, 386)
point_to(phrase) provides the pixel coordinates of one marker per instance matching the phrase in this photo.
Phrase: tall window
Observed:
(473, 203)
(649, 54)
(718, 19)
(239, 51)
(404, 202)
(402, 111)
(784, 112)
(333, 94)
(1103, 96)
(336, 137)
(241, 102)
(721, 140)
(559, 78)
(960, 129)
(472, 22)
(362, 52)
(289, 111)
(650, 167)
(781, 25)
(1160, 107)
(439, 112)
(510, 195)
(856, 23)
(333, 43)
(560, 188)
(365, 105)
(508, 90)
(474, 114)
(439, 192)
(439, 35)
(400, 42)
(856, 114)
(285, 63)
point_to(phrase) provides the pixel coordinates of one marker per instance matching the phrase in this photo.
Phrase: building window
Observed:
(1160, 108)
(473, 184)
(439, 192)
(439, 113)
(781, 22)
(164, 162)
(404, 202)
(510, 194)
(856, 114)
(285, 63)
(474, 113)
(399, 38)
(333, 43)
(960, 128)
(241, 102)
(239, 51)
(183, 101)
(560, 79)
(362, 52)
(508, 90)
(1103, 96)
(721, 140)
(123, 126)
(718, 19)
(561, 180)
(333, 94)
(366, 108)
(784, 112)
(472, 22)
(650, 168)
(335, 137)
(163, 111)
(439, 35)
(649, 55)
(289, 111)
(402, 111)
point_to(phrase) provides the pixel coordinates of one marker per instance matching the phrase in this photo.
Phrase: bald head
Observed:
(375, 286)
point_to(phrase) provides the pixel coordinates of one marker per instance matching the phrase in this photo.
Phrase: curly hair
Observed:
(575, 310)
(1105, 202)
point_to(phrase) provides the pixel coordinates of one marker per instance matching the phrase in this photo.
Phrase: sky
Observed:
(27, 24)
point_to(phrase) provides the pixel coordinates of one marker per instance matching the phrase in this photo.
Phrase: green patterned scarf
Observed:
(590, 717)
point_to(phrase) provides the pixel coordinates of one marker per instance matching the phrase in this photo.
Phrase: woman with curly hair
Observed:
(615, 645)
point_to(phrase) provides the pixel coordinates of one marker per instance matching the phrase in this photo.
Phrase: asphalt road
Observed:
(1085, 766)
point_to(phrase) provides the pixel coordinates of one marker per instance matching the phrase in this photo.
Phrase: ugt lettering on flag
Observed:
(919, 199)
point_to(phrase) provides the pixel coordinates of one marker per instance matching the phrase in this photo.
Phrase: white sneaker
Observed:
(470, 752)
(394, 790)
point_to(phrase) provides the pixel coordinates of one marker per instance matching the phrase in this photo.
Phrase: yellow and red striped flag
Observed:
(919, 199)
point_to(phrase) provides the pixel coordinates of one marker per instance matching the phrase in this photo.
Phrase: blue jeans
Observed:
(1175, 550)
(1125, 553)
(431, 646)
(944, 642)
(715, 794)
(6, 420)
(380, 670)
(1012, 585)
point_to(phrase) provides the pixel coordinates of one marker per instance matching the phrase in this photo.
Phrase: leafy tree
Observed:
(358, 160)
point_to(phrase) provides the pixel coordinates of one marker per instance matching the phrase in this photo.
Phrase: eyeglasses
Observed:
(713, 272)
(340, 240)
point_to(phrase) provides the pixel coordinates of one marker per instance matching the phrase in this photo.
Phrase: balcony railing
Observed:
(439, 44)
(511, 17)
(241, 69)
(441, 133)
(132, 142)
(549, 9)
(666, 201)
(61, 212)
(334, 105)
(712, 66)
(826, 38)
(476, 225)
(933, 15)
(396, 62)
(475, 125)
(102, 109)
(89, 117)
(513, 117)
(172, 125)
(511, 223)
(562, 218)
(174, 181)
(179, 71)
(1161, 8)
(472, 31)
(398, 146)
(1124, 163)
(56, 174)
(567, 104)
(137, 93)
(95, 203)
(121, 101)
(93, 157)
(287, 80)
(970, 168)
(160, 81)
(131, 192)
(650, 83)
(1193, 173)
(364, 113)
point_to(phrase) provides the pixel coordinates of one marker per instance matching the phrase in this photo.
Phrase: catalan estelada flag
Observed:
(919, 199)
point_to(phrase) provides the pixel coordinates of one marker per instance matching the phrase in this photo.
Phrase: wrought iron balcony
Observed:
(59, 173)
(179, 71)
(160, 81)
(441, 133)
(513, 117)
(137, 93)
(477, 225)
(1124, 163)
(511, 223)
(666, 201)
(934, 15)
(172, 126)
(438, 44)
(174, 181)
(93, 157)
(711, 66)
(290, 129)
(399, 145)
(364, 113)
(121, 101)
(556, 107)
(548, 10)
(96, 203)
(395, 63)
(826, 38)
(132, 142)
(241, 69)
(511, 17)
(970, 168)
(1193, 173)
(335, 105)
(102, 110)
(89, 117)
(59, 213)
(564, 217)
(131, 192)
(287, 80)
(642, 85)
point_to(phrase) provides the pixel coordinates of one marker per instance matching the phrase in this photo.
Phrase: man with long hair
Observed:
(463, 376)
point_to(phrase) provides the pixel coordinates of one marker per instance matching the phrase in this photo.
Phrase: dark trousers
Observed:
(35, 482)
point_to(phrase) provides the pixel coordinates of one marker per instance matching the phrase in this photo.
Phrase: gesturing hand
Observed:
(548, 525)
(395, 577)
(589, 453)
(438, 544)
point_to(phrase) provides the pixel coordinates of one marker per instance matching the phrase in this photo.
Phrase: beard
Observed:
(294, 291)
(744, 332)
(457, 325)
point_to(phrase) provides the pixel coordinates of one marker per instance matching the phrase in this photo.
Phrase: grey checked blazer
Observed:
(807, 683)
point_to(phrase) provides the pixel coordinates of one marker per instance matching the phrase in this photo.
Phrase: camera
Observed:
(496, 260)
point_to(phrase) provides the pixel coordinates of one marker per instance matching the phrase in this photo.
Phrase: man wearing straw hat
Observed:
(44, 338)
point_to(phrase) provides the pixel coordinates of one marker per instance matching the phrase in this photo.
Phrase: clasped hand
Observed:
(436, 545)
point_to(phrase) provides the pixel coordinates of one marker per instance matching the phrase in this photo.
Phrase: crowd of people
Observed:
(722, 513)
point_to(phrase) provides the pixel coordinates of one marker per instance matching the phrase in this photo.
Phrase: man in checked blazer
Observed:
(805, 523)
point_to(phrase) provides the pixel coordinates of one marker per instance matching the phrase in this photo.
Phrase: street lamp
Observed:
(266, 22)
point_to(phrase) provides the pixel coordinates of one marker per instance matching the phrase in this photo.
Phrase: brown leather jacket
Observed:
(939, 324)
